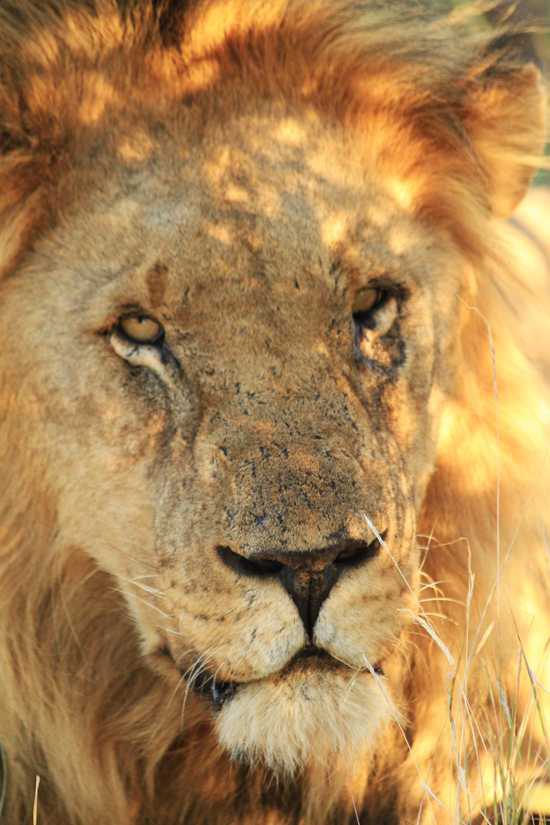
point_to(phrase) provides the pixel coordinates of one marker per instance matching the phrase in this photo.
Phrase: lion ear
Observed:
(505, 118)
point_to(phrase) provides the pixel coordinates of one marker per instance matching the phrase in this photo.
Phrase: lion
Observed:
(275, 415)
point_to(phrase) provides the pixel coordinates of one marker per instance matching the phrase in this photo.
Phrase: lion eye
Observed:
(366, 299)
(365, 304)
(374, 313)
(141, 329)
(139, 339)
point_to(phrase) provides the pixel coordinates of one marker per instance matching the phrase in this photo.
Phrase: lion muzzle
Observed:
(307, 576)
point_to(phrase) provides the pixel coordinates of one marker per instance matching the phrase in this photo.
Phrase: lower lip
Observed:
(219, 693)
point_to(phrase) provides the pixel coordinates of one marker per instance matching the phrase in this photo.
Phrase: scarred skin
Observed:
(220, 547)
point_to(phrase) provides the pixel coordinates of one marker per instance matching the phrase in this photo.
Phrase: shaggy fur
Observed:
(242, 170)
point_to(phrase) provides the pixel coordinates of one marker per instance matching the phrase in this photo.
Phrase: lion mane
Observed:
(448, 117)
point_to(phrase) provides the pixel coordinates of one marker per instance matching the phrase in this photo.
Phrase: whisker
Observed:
(151, 590)
(152, 606)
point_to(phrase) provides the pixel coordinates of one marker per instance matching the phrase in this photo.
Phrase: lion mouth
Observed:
(219, 693)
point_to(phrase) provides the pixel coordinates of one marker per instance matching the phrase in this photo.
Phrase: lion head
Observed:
(243, 251)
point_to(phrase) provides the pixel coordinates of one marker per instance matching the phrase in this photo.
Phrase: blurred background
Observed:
(538, 11)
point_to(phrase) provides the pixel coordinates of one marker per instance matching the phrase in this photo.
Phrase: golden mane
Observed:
(70, 68)
(78, 74)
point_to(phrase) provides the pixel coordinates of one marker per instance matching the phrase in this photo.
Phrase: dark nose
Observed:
(307, 576)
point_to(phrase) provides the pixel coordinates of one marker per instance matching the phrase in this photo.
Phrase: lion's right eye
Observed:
(141, 329)
(140, 340)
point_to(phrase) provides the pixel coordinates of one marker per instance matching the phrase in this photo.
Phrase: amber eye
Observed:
(366, 301)
(141, 329)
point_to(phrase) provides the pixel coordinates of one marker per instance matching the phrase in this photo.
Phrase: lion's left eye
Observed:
(375, 309)
(367, 301)
(374, 313)
(141, 329)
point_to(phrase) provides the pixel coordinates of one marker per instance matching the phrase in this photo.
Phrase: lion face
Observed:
(247, 364)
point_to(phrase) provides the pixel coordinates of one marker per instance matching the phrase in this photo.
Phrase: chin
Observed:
(297, 721)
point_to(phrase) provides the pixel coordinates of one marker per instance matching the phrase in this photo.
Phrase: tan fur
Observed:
(240, 171)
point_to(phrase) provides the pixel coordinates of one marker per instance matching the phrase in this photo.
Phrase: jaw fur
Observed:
(305, 721)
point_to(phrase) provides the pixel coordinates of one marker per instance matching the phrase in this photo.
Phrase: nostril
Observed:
(358, 552)
(260, 566)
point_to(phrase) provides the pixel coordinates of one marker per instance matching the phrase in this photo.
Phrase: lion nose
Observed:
(307, 576)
